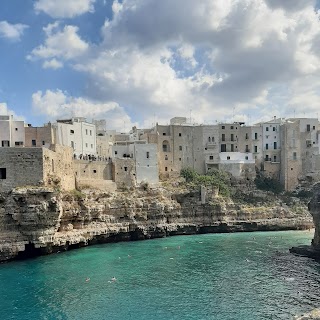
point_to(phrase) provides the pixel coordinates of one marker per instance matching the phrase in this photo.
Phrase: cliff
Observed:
(35, 221)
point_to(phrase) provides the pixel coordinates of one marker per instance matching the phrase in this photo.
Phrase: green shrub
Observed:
(268, 184)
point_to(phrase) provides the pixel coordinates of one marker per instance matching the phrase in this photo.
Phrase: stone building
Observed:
(21, 167)
(12, 132)
(40, 136)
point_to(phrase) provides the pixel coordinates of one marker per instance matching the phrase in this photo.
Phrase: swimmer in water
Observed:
(87, 279)
(113, 279)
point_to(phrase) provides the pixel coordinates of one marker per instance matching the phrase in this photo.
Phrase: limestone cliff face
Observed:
(37, 221)
(314, 208)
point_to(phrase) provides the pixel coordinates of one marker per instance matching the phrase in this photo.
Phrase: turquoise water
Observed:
(243, 276)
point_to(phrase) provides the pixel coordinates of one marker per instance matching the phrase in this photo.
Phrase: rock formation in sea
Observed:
(36, 220)
(312, 251)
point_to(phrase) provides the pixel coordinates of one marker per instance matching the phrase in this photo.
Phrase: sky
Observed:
(137, 62)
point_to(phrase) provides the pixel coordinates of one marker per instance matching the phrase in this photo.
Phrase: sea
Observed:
(238, 276)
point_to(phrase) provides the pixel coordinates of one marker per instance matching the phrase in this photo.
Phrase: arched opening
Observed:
(165, 146)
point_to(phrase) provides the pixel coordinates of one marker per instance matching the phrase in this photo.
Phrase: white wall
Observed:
(12, 131)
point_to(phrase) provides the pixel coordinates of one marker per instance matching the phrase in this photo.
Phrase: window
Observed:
(294, 156)
(255, 148)
(91, 146)
(116, 152)
(232, 148)
(165, 146)
(308, 127)
(275, 146)
(267, 157)
(179, 159)
(267, 129)
(33, 143)
(267, 146)
(314, 128)
(94, 171)
(16, 129)
(247, 158)
(228, 158)
(223, 148)
(43, 142)
(5, 143)
(72, 144)
(256, 136)
(18, 143)
(180, 148)
(125, 168)
(166, 169)
(71, 131)
(223, 137)
(247, 136)
(274, 129)
(148, 155)
(166, 157)
(3, 173)
(209, 139)
(86, 131)
(86, 145)
(274, 158)
(247, 148)
(232, 137)
(90, 132)
(223, 127)
(231, 127)
(179, 134)
(164, 134)
(210, 157)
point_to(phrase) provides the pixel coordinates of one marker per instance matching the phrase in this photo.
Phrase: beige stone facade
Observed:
(40, 136)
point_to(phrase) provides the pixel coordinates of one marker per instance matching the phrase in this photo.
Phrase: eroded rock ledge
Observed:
(36, 221)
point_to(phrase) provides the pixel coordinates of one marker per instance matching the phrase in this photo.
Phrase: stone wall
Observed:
(124, 172)
(42, 136)
(20, 167)
(58, 167)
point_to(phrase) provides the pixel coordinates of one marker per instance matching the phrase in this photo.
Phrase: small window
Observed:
(256, 136)
(211, 157)
(267, 129)
(179, 134)
(294, 156)
(274, 129)
(43, 142)
(255, 148)
(3, 173)
(314, 128)
(90, 132)
(116, 152)
(209, 139)
(247, 136)
(231, 127)
(94, 171)
(180, 148)
(164, 134)
(148, 155)
(223, 137)
(228, 158)
(247, 158)
(267, 146)
(18, 143)
(72, 144)
(125, 168)
(166, 169)
(274, 158)
(275, 146)
(91, 146)
(16, 129)
(308, 127)
(71, 131)
(86, 131)
(166, 157)
(223, 127)
(34, 143)
(179, 159)
(86, 145)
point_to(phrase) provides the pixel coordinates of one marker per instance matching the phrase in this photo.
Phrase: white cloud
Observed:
(12, 31)
(62, 43)
(4, 110)
(64, 8)
(165, 58)
(52, 64)
(58, 104)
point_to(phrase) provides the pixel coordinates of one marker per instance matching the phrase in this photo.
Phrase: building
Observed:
(12, 132)
(78, 134)
(40, 136)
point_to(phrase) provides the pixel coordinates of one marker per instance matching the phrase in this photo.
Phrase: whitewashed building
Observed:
(12, 132)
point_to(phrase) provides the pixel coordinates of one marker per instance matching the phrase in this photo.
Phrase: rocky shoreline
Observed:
(37, 221)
